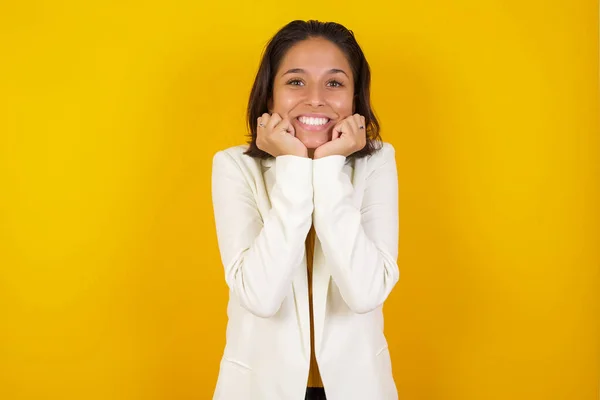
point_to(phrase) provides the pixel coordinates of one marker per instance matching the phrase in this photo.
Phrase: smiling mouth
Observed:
(313, 123)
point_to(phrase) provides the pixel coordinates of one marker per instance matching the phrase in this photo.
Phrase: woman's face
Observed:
(314, 88)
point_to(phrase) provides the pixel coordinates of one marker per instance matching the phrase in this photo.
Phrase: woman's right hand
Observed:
(276, 136)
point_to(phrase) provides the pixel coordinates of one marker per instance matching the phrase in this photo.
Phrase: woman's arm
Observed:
(260, 256)
(360, 245)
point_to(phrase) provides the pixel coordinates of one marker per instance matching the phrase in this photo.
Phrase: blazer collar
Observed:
(269, 162)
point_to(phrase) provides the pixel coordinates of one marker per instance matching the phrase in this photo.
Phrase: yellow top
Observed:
(314, 377)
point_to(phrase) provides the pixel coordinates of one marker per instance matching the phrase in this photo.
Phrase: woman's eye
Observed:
(334, 83)
(295, 82)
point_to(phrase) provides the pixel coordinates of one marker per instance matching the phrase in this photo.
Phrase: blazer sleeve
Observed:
(259, 256)
(359, 244)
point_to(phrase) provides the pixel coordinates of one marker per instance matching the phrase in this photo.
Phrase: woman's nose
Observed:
(315, 97)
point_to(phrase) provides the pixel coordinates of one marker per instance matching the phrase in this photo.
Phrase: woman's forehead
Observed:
(314, 56)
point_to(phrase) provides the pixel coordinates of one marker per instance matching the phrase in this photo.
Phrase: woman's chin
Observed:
(312, 142)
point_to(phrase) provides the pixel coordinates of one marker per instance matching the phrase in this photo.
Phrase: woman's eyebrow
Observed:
(337, 71)
(301, 71)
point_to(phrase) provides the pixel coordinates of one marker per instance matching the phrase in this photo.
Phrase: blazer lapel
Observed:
(321, 277)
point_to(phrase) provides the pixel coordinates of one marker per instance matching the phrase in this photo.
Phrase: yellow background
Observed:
(111, 285)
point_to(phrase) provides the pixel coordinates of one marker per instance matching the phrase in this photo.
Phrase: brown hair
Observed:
(284, 39)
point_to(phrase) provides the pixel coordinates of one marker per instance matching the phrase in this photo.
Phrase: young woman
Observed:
(307, 225)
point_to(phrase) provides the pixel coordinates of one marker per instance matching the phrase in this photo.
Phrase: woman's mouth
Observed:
(315, 124)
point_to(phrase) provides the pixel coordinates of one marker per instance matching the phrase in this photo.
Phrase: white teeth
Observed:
(313, 121)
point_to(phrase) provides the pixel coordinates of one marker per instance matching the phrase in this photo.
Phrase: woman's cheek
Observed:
(342, 106)
(289, 100)
(281, 102)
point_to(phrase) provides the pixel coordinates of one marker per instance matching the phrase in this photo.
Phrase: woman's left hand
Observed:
(348, 137)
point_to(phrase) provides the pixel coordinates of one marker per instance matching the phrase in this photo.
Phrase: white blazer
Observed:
(263, 212)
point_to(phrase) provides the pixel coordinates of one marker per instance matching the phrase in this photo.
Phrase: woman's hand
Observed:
(276, 136)
(348, 137)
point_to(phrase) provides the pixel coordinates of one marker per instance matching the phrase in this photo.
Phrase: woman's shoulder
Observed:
(234, 151)
(235, 155)
(386, 150)
(383, 155)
